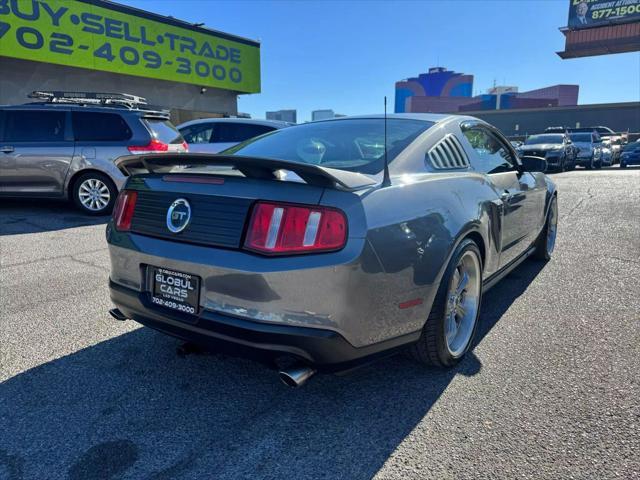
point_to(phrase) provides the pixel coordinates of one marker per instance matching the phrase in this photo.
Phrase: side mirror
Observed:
(533, 164)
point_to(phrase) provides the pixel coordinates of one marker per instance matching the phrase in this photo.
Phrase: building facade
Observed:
(620, 117)
(100, 46)
(447, 90)
(322, 114)
(290, 116)
(444, 91)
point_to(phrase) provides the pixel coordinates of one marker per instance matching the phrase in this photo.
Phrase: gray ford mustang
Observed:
(329, 243)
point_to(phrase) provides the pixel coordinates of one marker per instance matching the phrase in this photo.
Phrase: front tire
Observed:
(547, 241)
(94, 193)
(452, 323)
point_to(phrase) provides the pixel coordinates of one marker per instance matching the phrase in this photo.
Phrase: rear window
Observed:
(100, 127)
(164, 131)
(229, 132)
(352, 144)
(34, 126)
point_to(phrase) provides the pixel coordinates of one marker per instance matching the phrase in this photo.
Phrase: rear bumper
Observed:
(325, 349)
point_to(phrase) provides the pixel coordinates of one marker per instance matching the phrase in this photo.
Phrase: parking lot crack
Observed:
(59, 257)
(589, 196)
(91, 264)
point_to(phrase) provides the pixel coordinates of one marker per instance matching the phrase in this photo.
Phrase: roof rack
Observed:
(94, 98)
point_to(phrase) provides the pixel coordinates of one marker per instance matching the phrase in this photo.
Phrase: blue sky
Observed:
(348, 55)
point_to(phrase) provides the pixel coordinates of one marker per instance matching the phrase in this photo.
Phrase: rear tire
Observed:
(623, 165)
(94, 193)
(546, 242)
(452, 323)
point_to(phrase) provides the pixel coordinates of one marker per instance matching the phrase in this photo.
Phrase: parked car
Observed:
(556, 148)
(606, 152)
(350, 259)
(213, 135)
(603, 132)
(630, 154)
(599, 129)
(589, 145)
(616, 143)
(556, 129)
(64, 146)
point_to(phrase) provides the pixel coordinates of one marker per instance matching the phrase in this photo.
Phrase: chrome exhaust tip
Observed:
(117, 314)
(296, 376)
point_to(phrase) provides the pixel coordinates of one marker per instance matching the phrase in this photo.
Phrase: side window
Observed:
(34, 126)
(228, 132)
(200, 133)
(99, 127)
(493, 155)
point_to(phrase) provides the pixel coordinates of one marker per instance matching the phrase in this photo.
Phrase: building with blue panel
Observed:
(437, 82)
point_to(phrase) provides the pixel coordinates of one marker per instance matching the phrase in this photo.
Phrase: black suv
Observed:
(556, 148)
(65, 144)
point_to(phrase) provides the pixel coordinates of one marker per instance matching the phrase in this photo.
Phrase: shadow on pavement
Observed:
(129, 406)
(18, 216)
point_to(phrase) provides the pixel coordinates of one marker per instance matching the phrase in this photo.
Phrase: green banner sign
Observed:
(113, 38)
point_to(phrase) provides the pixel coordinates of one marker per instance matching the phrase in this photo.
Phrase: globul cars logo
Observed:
(178, 215)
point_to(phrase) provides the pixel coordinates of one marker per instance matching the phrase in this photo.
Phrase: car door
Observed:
(37, 150)
(516, 193)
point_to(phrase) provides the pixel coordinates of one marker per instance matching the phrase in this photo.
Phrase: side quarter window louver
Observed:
(448, 154)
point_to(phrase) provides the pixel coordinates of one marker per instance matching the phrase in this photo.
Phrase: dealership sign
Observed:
(587, 13)
(104, 36)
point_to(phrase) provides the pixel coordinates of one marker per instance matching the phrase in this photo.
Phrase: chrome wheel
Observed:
(463, 301)
(94, 195)
(552, 227)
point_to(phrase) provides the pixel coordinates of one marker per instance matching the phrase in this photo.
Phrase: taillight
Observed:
(123, 210)
(279, 229)
(185, 146)
(154, 146)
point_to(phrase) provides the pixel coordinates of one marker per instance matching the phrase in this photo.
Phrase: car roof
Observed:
(428, 117)
(150, 110)
(248, 121)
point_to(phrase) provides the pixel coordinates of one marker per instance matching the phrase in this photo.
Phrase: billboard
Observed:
(588, 13)
(110, 37)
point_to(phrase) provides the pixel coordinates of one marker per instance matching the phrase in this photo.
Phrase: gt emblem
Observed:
(178, 215)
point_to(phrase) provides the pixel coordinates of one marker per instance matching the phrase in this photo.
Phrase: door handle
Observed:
(6, 149)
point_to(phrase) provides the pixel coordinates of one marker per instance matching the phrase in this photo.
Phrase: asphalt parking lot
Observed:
(552, 389)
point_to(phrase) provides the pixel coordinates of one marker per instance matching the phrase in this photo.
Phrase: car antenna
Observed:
(386, 181)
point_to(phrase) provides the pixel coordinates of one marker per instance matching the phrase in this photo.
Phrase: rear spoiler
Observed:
(252, 167)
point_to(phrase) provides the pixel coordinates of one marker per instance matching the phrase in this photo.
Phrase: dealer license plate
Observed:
(176, 290)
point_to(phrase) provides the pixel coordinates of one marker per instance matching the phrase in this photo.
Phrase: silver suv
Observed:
(64, 145)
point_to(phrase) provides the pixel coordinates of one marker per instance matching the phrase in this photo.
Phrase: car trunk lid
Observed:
(221, 192)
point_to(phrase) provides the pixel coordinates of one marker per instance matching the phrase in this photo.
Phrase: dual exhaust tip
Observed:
(294, 377)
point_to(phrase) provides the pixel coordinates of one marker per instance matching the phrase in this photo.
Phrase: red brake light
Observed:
(279, 229)
(123, 210)
(154, 146)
